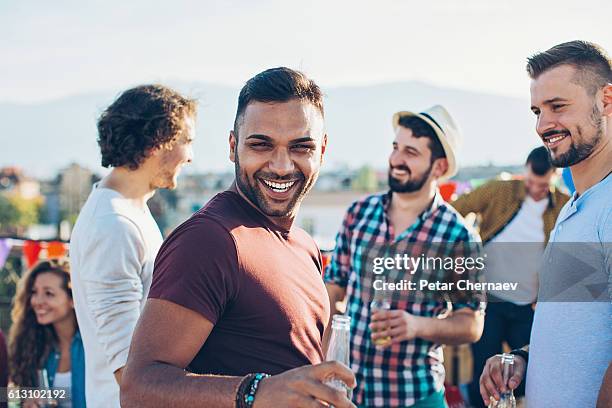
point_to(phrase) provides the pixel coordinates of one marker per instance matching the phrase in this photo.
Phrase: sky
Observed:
(54, 49)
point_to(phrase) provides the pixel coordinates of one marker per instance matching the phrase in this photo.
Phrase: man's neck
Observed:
(283, 222)
(135, 185)
(538, 199)
(594, 168)
(415, 202)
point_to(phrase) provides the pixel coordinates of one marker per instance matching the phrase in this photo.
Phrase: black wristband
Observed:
(521, 353)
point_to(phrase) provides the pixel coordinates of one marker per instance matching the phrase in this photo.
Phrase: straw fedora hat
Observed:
(446, 129)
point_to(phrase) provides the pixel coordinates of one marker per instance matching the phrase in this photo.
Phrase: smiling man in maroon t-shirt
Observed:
(237, 289)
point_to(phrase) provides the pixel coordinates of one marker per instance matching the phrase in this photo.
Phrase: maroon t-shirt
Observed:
(260, 285)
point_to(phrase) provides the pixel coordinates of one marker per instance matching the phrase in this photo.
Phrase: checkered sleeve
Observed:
(337, 271)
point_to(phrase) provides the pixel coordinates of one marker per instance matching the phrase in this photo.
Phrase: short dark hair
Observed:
(420, 128)
(539, 160)
(278, 85)
(142, 118)
(590, 60)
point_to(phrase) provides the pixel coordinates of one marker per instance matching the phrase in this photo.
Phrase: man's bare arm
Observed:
(336, 294)
(605, 391)
(166, 340)
(462, 326)
(118, 374)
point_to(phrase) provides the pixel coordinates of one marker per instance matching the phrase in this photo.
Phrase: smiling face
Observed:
(410, 164)
(569, 119)
(278, 153)
(50, 302)
(538, 186)
(171, 159)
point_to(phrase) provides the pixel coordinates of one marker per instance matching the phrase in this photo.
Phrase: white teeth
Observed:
(279, 187)
(555, 139)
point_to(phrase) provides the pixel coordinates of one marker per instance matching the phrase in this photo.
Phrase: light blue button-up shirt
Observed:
(571, 338)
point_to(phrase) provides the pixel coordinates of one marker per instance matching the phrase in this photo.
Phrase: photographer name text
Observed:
(406, 285)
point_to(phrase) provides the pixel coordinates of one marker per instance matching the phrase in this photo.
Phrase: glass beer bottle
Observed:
(339, 349)
(380, 302)
(506, 399)
(43, 383)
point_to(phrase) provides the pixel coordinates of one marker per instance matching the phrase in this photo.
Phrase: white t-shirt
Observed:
(515, 253)
(63, 380)
(112, 251)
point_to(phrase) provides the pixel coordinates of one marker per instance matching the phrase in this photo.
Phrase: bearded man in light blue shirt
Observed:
(569, 359)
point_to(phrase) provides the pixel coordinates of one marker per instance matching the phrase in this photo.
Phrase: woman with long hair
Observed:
(45, 334)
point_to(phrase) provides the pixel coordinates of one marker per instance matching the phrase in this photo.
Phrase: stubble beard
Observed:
(253, 191)
(580, 151)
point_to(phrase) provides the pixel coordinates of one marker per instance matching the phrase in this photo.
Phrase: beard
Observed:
(253, 190)
(410, 186)
(581, 147)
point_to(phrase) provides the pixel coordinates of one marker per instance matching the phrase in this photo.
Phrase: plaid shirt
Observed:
(409, 371)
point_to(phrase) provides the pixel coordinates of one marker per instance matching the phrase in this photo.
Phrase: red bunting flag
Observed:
(447, 190)
(325, 257)
(31, 251)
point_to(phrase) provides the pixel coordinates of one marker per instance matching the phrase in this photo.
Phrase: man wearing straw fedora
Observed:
(396, 354)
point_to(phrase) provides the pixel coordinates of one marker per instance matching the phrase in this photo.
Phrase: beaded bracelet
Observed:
(245, 396)
(241, 390)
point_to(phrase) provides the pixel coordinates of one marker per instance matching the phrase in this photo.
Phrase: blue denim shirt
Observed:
(77, 370)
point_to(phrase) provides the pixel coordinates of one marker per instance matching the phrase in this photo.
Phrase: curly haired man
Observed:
(146, 136)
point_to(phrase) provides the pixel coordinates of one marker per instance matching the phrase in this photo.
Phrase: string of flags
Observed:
(32, 250)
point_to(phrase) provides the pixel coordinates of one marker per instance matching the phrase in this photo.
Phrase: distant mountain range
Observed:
(43, 138)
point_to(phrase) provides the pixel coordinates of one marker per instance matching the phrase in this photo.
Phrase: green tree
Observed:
(365, 180)
(8, 212)
(18, 213)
